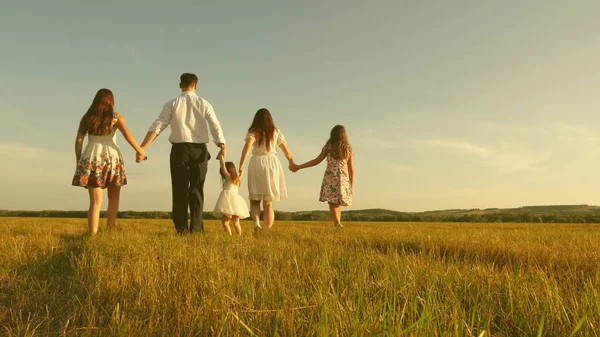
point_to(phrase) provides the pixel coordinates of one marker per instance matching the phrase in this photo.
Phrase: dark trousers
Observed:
(189, 164)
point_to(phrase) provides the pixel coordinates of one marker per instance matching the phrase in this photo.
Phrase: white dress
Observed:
(265, 174)
(230, 202)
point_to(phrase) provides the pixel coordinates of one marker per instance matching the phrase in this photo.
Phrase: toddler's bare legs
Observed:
(225, 221)
(236, 224)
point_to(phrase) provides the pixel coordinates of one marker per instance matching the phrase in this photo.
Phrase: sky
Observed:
(447, 104)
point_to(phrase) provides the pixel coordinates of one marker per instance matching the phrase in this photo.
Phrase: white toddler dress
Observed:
(230, 202)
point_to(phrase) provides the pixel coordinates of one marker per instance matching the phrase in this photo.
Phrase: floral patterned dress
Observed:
(101, 163)
(336, 188)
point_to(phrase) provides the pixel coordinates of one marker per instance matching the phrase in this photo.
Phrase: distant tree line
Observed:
(490, 215)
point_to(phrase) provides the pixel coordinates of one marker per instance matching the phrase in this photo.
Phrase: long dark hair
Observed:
(338, 141)
(263, 128)
(230, 167)
(98, 119)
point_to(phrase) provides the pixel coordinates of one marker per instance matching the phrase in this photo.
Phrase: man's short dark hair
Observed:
(187, 80)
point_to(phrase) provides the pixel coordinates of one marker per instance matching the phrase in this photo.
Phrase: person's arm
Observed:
(245, 151)
(351, 169)
(287, 153)
(161, 123)
(122, 126)
(79, 145)
(150, 137)
(215, 128)
(313, 162)
(223, 167)
(282, 143)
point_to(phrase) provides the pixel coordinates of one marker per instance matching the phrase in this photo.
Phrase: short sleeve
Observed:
(280, 138)
(249, 136)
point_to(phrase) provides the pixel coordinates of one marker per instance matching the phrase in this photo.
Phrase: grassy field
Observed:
(300, 279)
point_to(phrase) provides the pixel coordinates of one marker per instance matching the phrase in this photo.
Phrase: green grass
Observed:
(300, 279)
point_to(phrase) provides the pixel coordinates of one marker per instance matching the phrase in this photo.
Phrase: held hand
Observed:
(222, 152)
(241, 171)
(292, 166)
(140, 157)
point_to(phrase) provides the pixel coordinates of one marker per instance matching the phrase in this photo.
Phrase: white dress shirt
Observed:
(188, 114)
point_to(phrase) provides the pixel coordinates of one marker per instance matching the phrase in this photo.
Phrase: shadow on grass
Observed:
(39, 293)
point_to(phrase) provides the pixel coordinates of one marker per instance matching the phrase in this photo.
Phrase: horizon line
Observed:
(320, 210)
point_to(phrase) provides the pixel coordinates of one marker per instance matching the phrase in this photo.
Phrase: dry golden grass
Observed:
(300, 279)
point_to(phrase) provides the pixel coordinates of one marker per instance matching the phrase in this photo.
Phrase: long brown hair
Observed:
(230, 167)
(338, 141)
(263, 128)
(98, 119)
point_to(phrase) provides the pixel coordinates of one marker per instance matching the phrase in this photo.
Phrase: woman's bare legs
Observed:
(114, 194)
(268, 214)
(94, 210)
(255, 214)
(336, 214)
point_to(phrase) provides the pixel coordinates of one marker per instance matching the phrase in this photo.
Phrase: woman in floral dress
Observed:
(338, 180)
(100, 164)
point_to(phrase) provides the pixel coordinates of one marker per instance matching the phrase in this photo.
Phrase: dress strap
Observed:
(115, 119)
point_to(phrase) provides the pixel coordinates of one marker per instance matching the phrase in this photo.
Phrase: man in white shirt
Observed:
(188, 114)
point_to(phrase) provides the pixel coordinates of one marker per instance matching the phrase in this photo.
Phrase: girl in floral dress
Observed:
(338, 180)
(100, 164)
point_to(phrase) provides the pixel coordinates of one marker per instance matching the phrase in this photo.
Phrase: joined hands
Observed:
(222, 152)
(141, 156)
(292, 166)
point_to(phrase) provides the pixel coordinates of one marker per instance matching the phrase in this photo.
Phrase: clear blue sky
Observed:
(461, 104)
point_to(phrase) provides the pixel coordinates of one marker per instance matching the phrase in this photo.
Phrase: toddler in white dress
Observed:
(230, 205)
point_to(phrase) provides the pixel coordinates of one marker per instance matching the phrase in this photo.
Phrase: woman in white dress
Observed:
(266, 181)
